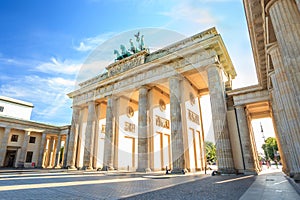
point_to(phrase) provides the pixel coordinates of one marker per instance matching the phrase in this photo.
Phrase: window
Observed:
(29, 156)
(32, 140)
(14, 138)
(1, 108)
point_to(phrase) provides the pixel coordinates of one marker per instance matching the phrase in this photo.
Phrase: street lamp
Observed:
(263, 136)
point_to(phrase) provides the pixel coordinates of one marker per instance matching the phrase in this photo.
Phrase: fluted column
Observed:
(143, 135)
(3, 146)
(298, 4)
(72, 146)
(219, 118)
(66, 148)
(281, 142)
(50, 151)
(286, 102)
(42, 151)
(108, 157)
(178, 159)
(89, 135)
(57, 156)
(96, 137)
(246, 141)
(285, 18)
(23, 152)
(282, 125)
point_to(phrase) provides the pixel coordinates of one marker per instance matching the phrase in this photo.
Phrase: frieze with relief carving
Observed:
(129, 127)
(162, 122)
(193, 117)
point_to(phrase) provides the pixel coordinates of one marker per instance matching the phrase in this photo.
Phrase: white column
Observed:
(42, 151)
(4, 145)
(143, 135)
(178, 158)
(96, 137)
(22, 156)
(66, 148)
(57, 156)
(288, 109)
(72, 143)
(246, 141)
(109, 136)
(50, 151)
(219, 118)
(89, 136)
(285, 18)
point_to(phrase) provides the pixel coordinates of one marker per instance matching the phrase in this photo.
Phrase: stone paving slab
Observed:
(117, 185)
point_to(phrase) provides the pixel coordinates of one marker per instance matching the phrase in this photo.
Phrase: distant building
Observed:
(15, 108)
(25, 143)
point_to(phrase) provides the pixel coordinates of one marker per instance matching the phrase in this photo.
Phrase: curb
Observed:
(295, 185)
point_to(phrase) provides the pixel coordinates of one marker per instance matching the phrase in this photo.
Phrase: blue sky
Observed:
(43, 44)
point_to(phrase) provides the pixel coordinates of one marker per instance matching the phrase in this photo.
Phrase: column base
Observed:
(107, 168)
(57, 167)
(143, 170)
(297, 177)
(179, 171)
(87, 168)
(227, 171)
(71, 168)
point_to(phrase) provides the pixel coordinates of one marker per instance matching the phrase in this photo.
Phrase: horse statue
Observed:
(125, 53)
(119, 57)
(133, 49)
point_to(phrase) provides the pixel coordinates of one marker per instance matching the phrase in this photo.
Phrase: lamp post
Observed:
(263, 136)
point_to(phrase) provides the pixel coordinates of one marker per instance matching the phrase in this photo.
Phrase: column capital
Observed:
(269, 5)
(271, 47)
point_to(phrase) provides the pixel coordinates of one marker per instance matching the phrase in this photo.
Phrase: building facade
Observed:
(145, 112)
(274, 28)
(28, 144)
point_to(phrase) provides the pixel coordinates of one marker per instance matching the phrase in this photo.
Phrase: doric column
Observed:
(109, 136)
(96, 137)
(286, 102)
(57, 156)
(4, 145)
(23, 152)
(178, 159)
(143, 136)
(219, 118)
(89, 136)
(66, 148)
(50, 151)
(246, 141)
(73, 138)
(42, 151)
(285, 18)
(282, 146)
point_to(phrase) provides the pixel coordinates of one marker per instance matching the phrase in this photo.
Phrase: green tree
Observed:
(210, 149)
(270, 148)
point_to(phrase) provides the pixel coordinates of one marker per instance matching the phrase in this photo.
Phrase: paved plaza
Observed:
(44, 184)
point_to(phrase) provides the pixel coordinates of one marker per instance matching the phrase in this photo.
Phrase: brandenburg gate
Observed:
(145, 113)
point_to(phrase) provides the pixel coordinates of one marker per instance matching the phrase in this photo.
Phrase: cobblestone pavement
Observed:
(79, 185)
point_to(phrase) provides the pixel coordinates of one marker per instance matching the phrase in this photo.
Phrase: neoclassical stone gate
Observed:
(149, 103)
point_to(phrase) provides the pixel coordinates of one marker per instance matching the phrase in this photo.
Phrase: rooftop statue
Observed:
(133, 49)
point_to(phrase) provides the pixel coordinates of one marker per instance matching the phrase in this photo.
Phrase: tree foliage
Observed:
(270, 148)
(210, 149)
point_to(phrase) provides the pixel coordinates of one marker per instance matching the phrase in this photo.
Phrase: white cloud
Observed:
(68, 67)
(48, 94)
(91, 43)
(187, 11)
